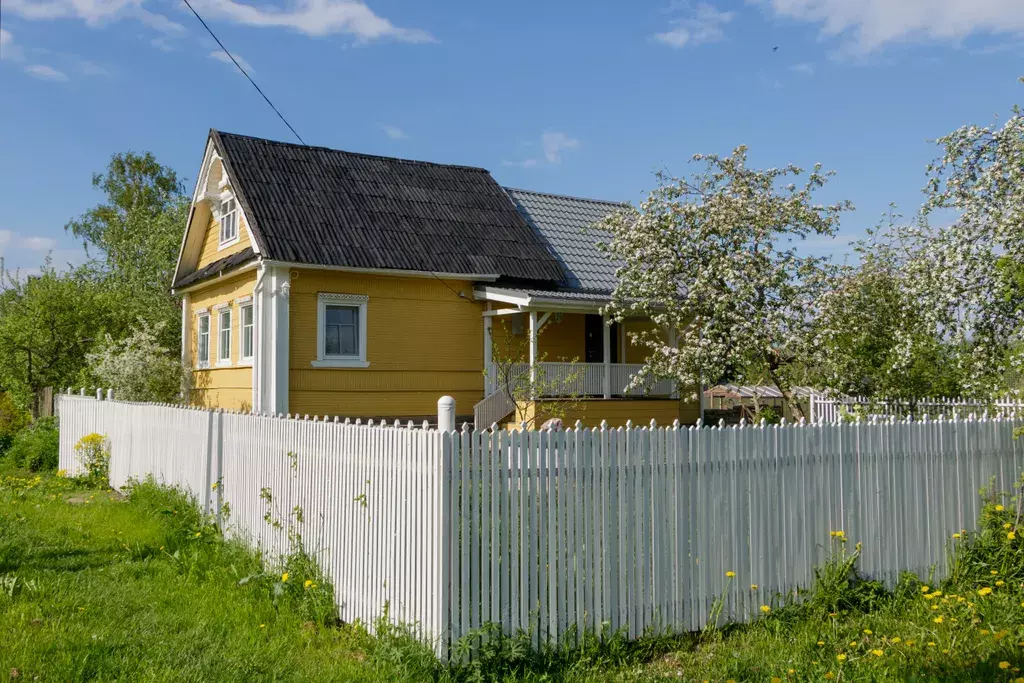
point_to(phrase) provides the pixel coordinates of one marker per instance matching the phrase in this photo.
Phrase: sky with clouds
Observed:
(585, 98)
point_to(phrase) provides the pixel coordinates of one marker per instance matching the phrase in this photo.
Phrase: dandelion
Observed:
(936, 594)
(753, 586)
(791, 671)
(198, 534)
(956, 535)
(925, 589)
(984, 591)
(263, 625)
(307, 584)
(829, 675)
(853, 643)
(284, 577)
(729, 575)
(1000, 583)
(776, 679)
(1004, 665)
(877, 653)
(821, 643)
(841, 657)
(896, 639)
(999, 508)
(867, 632)
(765, 609)
(993, 572)
(1011, 536)
(938, 619)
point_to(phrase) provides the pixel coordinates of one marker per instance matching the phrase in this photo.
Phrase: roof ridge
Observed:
(357, 154)
(565, 196)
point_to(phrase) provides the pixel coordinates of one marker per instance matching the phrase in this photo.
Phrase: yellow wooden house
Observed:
(321, 282)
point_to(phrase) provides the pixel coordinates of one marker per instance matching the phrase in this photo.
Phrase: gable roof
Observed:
(326, 207)
(567, 226)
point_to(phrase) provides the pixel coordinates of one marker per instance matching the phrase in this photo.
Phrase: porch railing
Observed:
(587, 379)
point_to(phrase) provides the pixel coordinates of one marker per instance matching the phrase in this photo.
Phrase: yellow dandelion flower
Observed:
(984, 631)
(984, 591)
(791, 671)
(925, 589)
(765, 609)
(829, 675)
(730, 574)
(307, 584)
(993, 572)
(956, 535)
(1004, 665)
(1007, 525)
(877, 653)
(938, 619)
(1010, 536)
(753, 586)
(867, 632)
(896, 639)
(1000, 582)
(853, 643)
(776, 679)
(821, 643)
(931, 644)
(928, 596)
(945, 652)
(284, 577)
(936, 594)
(841, 657)
(263, 625)
(198, 534)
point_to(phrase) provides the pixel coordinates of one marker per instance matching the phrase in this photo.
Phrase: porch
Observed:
(538, 348)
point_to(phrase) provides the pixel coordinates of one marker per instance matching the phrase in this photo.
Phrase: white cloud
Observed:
(554, 143)
(393, 132)
(222, 56)
(803, 68)
(46, 73)
(8, 50)
(312, 17)
(866, 25)
(703, 24)
(13, 240)
(88, 68)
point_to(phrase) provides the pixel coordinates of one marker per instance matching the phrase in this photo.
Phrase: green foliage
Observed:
(37, 447)
(93, 453)
(12, 420)
(769, 414)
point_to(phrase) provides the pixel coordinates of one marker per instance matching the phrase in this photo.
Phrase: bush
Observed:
(12, 420)
(93, 452)
(137, 367)
(36, 447)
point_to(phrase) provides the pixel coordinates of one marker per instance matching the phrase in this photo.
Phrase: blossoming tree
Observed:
(713, 260)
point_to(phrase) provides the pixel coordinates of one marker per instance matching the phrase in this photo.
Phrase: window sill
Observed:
(202, 366)
(245, 363)
(340, 363)
(229, 243)
(223, 364)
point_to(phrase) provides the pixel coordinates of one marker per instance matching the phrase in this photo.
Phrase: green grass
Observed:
(95, 586)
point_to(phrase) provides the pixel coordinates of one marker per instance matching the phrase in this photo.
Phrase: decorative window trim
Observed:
(201, 311)
(356, 300)
(244, 300)
(224, 362)
(201, 363)
(237, 211)
(243, 360)
(222, 304)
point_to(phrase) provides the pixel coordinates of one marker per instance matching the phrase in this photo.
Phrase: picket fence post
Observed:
(446, 414)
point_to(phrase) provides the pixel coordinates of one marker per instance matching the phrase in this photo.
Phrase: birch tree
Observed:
(715, 258)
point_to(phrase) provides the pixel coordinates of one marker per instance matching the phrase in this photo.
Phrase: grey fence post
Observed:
(110, 394)
(99, 394)
(446, 414)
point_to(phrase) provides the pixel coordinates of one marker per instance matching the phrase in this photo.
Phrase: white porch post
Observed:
(606, 330)
(489, 379)
(533, 351)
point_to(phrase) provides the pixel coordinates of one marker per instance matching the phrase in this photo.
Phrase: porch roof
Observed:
(543, 299)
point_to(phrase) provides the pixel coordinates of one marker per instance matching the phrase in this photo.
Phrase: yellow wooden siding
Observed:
(563, 339)
(228, 387)
(211, 243)
(617, 412)
(423, 341)
(637, 352)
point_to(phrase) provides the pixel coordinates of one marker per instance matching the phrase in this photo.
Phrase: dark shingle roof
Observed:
(218, 267)
(327, 207)
(566, 224)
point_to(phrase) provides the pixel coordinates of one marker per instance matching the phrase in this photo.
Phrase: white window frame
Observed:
(235, 213)
(356, 301)
(243, 304)
(202, 363)
(220, 311)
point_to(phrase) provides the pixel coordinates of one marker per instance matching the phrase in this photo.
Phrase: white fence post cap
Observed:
(446, 414)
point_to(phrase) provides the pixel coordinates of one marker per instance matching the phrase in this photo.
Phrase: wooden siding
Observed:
(211, 250)
(564, 339)
(423, 341)
(227, 387)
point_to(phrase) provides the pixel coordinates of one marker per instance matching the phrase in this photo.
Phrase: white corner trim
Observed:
(340, 363)
(322, 359)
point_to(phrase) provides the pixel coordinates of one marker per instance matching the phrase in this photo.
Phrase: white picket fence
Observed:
(833, 408)
(557, 532)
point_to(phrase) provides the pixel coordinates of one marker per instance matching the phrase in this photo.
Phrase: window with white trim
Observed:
(341, 331)
(245, 350)
(228, 221)
(203, 340)
(224, 336)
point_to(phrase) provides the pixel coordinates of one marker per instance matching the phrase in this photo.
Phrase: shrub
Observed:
(36, 447)
(93, 453)
(137, 367)
(12, 420)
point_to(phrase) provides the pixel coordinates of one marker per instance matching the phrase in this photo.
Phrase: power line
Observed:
(244, 73)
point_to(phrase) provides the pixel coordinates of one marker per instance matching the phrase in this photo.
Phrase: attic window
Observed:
(228, 222)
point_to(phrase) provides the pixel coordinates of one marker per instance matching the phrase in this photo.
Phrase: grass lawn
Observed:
(95, 586)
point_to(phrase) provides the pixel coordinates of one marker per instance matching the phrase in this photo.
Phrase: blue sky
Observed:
(584, 98)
